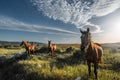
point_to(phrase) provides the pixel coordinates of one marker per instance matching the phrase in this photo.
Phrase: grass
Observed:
(59, 67)
(4, 51)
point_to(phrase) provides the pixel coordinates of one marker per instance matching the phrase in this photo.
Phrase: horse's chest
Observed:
(90, 55)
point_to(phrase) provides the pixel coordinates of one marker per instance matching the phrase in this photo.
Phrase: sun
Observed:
(112, 24)
(115, 25)
(111, 27)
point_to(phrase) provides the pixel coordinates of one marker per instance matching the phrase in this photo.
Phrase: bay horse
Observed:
(93, 51)
(29, 47)
(51, 48)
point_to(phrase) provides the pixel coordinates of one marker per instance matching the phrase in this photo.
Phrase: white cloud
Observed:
(104, 7)
(93, 28)
(13, 24)
(77, 12)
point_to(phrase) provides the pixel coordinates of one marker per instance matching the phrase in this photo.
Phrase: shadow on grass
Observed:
(115, 67)
(10, 69)
(76, 58)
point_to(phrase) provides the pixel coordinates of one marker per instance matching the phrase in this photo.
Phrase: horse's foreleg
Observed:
(49, 51)
(95, 69)
(33, 52)
(52, 53)
(28, 51)
(89, 68)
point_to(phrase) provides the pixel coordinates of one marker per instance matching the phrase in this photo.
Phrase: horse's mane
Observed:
(98, 44)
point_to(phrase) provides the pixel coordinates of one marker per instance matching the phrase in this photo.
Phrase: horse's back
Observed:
(98, 44)
(97, 50)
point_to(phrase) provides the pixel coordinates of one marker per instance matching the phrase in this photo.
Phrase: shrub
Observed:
(42, 50)
(70, 50)
(113, 51)
(58, 50)
(79, 56)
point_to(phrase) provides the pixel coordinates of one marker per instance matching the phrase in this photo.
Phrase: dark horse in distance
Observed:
(51, 48)
(93, 51)
(29, 47)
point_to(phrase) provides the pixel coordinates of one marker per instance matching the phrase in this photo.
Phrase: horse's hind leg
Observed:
(29, 52)
(32, 52)
(52, 52)
(95, 69)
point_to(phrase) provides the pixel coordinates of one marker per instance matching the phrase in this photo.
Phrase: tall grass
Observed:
(4, 51)
(60, 67)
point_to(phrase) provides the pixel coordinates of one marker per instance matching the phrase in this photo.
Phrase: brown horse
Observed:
(29, 47)
(93, 51)
(51, 48)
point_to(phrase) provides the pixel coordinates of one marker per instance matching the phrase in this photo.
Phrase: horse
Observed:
(51, 48)
(93, 51)
(29, 47)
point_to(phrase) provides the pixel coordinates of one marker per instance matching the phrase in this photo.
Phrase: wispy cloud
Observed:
(13, 24)
(77, 12)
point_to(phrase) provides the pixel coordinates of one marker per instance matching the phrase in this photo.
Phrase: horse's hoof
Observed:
(96, 79)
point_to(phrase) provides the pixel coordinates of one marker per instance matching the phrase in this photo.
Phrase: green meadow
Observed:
(67, 64)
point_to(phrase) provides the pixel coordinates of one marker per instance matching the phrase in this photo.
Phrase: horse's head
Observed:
(21, 43)
(85, 39)
(49, 41)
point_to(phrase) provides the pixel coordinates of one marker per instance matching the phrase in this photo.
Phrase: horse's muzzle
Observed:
(82, 48)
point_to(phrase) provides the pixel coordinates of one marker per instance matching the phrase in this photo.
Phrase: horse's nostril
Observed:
(82, 48)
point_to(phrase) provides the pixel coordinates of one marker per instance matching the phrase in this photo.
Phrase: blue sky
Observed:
(59, 20)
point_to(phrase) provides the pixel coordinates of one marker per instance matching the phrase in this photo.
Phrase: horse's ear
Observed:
(81, 31)
(88, 29)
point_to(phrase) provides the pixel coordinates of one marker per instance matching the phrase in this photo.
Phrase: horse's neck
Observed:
(49, 44)
(90, 45)
(26, 45)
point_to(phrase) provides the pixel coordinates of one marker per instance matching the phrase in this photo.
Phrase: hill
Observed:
(104, 45)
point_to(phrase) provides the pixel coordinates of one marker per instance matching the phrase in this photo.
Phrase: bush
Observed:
(70, 50)
(42, 50)
(58, 51)
(113, 51)
(79, 55)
